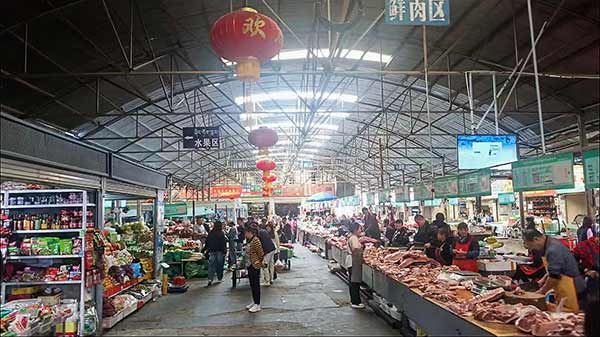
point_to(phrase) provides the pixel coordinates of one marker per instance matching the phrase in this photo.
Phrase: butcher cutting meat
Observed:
(563, 278)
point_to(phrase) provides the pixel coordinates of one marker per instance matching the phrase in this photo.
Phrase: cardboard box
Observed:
(496, 266)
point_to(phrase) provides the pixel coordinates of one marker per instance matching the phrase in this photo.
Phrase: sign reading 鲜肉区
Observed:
(422, 191)
(446, 187)
(591, 169)
(475, 184)
(207, 138)
(417, 12)
(544, 173)
(402, 193)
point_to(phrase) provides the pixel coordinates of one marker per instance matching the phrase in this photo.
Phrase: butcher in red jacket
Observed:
(466, 249)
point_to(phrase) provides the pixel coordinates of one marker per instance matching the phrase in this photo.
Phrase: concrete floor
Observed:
(308, 300)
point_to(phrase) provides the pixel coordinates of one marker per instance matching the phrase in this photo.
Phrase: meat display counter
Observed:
(430, 315)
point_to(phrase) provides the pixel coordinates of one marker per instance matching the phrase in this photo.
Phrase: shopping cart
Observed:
(285, 256)
(239, 269)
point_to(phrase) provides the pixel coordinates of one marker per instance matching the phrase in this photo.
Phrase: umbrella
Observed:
(321, 196)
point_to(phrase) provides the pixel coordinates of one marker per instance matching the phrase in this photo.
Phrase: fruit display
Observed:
(127, 257)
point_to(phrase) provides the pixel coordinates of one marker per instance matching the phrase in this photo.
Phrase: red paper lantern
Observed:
(248, 38)
(269, 178)
(263, 137)
(266, 165)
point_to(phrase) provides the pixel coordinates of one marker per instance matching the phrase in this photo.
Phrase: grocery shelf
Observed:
(30, 257)
(46, 206)
(43, 231)
(39, 283)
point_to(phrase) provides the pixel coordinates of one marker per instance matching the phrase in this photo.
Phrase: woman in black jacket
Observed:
(216, 246)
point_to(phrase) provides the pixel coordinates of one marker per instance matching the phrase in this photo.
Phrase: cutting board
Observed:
(526, 298)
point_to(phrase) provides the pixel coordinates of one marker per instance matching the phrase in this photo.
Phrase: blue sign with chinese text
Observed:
(417, 12)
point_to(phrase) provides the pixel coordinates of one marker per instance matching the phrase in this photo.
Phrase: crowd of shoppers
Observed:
(258, 239)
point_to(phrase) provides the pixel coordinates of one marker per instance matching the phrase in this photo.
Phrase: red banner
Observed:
(327, 187)
(225, 192)
(291, 191)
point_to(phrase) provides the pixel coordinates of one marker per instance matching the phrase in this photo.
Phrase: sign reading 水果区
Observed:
(551, 172)
(475, 184)
(422, 191)
(446, 187)
(207, 138)
(402, 193)
(591, 161)
(417, 12)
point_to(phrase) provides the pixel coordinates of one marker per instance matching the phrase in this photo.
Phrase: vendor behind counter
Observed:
(562, 268)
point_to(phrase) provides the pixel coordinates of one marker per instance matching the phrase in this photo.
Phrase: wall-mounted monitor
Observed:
(481, 151)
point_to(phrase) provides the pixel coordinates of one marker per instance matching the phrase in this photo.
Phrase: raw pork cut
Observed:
(527, 322)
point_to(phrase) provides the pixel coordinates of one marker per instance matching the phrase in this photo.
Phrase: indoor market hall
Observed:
(299, 167)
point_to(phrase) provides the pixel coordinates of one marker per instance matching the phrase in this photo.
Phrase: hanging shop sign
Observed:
(506, 198)
(501, 186)
(370, 198)
(433, 203)
(207, 138)
(543, 173)
(591, 168)
(475, 184)
(176, 209)
(422, 191)
(384, 196)
(446, 187)
(417, 12)
(402, 193)
(353, 200)
(453, 201)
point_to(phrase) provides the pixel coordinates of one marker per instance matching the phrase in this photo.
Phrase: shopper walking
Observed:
(232, 238)
(254, 261)
(267, 241)
(355, 250)
(586, 231)
(216, 246)
(371, 224)
(287, 230)
(271, 266)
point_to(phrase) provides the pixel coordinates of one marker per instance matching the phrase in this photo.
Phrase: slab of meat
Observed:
(504, 280)
(466, 309)
(569, 325)
(527, 322)
(499, 312)
(407, 262)
(488, 296)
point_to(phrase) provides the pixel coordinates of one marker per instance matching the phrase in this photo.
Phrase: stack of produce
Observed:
(181, 230)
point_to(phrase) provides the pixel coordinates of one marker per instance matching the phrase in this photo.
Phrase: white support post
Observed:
(495, 103)
(536, 76)
(425, 70)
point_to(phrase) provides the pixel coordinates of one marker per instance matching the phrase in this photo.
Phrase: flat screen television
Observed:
(481, 151)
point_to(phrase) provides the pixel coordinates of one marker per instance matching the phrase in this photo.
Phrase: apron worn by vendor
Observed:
(465, 264)
(565, 289)
(354, 261)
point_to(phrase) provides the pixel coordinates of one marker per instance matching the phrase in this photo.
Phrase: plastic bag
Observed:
(279, 266)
